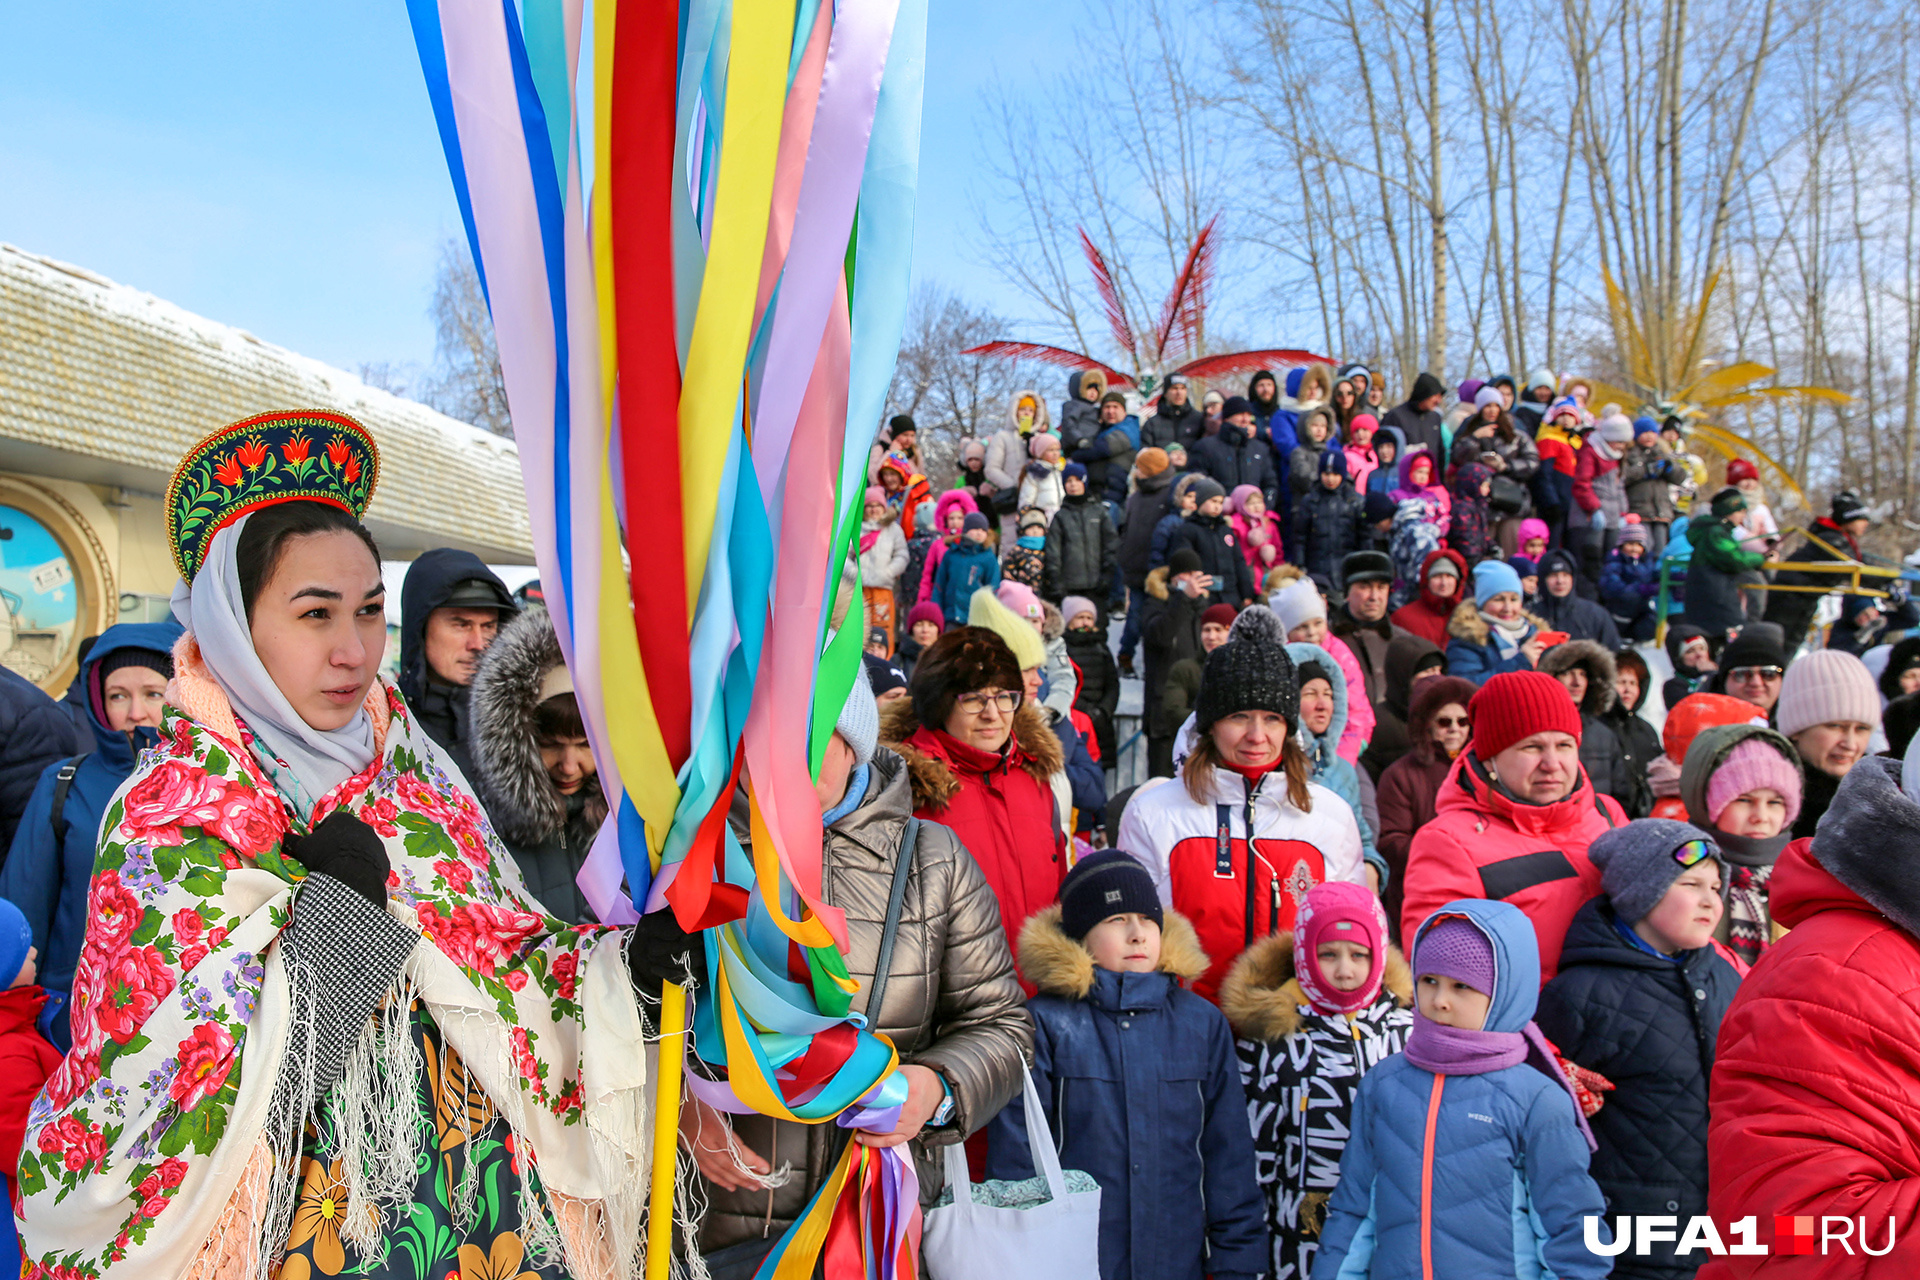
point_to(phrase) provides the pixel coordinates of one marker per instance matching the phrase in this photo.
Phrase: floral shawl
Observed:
(146, 1153)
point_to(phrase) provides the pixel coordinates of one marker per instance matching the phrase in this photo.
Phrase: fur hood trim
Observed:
(527, 808)
(1041, 420)
(1157, 582)
(1053, 624)
(934, 783)
(1592, 658)
(1060, 966)
(1467, 624)
(1263, 1000)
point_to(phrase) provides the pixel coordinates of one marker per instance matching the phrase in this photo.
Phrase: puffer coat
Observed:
(1301, 1069)
(1328, 525)
(952, 1002)
(1648, 1024)
(1081, 549)
(1137, 1076)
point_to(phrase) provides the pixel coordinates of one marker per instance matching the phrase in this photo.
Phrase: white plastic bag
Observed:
(1058, 1239)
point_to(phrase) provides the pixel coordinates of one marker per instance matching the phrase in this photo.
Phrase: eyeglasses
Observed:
(1768, 674)
(1002, 700)
(1449, 722)
(1693, 852)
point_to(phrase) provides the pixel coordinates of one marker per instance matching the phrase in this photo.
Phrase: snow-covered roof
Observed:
(103, 383)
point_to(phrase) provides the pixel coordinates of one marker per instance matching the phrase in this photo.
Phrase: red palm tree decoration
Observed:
(1173, 339)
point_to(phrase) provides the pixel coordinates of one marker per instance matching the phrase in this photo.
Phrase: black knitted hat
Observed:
(1250, 672)
(1107, 883)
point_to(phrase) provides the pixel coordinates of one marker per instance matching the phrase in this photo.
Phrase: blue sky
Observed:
(275, 166)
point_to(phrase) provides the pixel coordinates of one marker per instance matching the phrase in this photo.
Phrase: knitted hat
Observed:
(1468, 389)
(1616, 428)
(1362, 422)
(1456, 948)
(1251, 671)
(1379, 506)
(1041, 441)
(1566, 405)
(1518, 704)
(1645, 426)
(1238, 498)
(1533, 527)
(1236, 405)
(1827, 687)
(1032, 518)
(1333, 462)
(1336, 911)
(1752, 765)
(1010, 622)
(899, 422)
(1114, 397)
(1221, 614)
(16, 935)
(1074, 471)
(1205, 488)
(1020, 598)
(1107, 883)
(961, 661)
(883, 674)
(1180, 380)
(876, 496)
(972, 449)
(975, 520)
(1366, 566)
(1073, 606)
(1757, 645)
(1523, 567)
(1185, 560)
(1299, 601)
(859, 721)
(1740, 469)
(1634, 531)
(926, 611)
(1151, 461)
(1847, 505)
(1490, 578)
(1486, 395)
(152, 659)
(1727, 503)
(1637, 865)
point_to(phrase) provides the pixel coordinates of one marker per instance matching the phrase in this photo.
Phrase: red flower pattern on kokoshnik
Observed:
(251, 453)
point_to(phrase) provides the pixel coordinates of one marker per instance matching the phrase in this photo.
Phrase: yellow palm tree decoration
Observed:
(1673, 380)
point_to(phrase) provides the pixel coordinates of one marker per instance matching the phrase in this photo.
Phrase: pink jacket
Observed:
(1258, 558)
(1360, 719)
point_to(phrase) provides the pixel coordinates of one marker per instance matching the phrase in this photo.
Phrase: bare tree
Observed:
(466, 382)
(953, 398)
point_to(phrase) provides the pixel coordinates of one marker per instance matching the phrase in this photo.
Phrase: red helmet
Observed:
(1740, 469)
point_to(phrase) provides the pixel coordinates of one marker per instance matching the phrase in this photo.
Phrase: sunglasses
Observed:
(1452, 722)
(1768, 674)
(1693, 852)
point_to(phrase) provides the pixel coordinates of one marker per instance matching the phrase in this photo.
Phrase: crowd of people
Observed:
(1414, 883)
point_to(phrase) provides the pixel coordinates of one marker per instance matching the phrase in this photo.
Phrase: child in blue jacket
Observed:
(1629, 582)
(967, 567)
(1469, 1154)
(1139, 1081)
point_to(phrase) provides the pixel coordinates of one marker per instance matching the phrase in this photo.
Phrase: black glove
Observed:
(660, 951)
(347, 849)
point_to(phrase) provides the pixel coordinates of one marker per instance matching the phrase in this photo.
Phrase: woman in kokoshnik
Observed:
(319, 1023)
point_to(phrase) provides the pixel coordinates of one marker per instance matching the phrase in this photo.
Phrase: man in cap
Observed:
(1360, 620)
(451, 607)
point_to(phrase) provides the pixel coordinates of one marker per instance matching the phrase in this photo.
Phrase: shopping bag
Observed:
(1056, 1238)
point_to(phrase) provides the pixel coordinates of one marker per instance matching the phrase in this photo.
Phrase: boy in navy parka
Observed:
(1469, 1154)
(1139, 1081)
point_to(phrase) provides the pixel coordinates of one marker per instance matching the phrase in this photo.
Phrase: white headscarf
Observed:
(213, 610)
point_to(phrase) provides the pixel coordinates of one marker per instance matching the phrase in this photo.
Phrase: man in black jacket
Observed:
(1566, 610)
(1177, 595)
(1152, 477)
(451, 607)
(1175, 417)
(1419, 418)
(1839, 534)
(34, 733)
(1209, 534)
(1234, 457)
(1366, 578)
(1081, 545)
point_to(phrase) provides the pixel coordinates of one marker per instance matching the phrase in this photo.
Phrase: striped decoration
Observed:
(696, 334)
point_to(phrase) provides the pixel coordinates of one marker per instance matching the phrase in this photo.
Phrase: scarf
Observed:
(306, 763)
(1639, 943)
(856, 792)
(1508, 636)
(1749, 922)
(1032, 543)
(1454, 1051)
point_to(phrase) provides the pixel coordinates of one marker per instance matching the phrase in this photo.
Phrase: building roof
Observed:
(105, 384)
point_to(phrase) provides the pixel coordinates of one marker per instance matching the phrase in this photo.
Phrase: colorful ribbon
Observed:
(697, 319)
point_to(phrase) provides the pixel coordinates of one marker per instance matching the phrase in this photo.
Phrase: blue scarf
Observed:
(1032, 543)
(856, 792)
(1639, 943)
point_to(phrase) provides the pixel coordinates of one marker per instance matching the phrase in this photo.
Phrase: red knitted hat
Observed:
(1518, 704)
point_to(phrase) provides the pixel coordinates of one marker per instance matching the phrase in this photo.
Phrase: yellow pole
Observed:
(666, 1130)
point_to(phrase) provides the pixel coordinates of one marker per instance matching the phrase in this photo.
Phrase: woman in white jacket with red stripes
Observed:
(1247, 774)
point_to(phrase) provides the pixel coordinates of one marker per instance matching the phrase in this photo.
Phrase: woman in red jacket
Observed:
(981, 758)
(1439, 727)
(1815, 1115)
(1515, 815)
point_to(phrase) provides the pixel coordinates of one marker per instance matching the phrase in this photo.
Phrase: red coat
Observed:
(26, 1060)
(1814, 1106)
(1480, 844)
(1427, 615)
(1001, 806)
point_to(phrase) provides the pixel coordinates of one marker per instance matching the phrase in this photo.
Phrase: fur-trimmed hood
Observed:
(524, 804)
(1263, 1000)
(934, 783)
(1053, 625)
(1467, 624)
(1592, 658)
(1157, 582)
(1060, 966)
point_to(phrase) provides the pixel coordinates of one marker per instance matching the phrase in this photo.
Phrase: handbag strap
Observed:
(896, 901)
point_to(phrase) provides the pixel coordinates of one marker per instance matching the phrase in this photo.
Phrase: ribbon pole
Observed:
(666, 1130)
